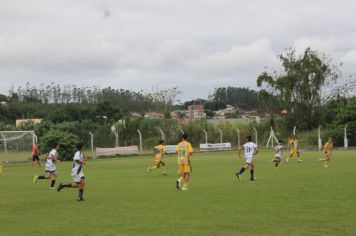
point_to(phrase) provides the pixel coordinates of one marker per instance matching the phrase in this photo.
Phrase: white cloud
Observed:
(136, 44)
(350, 57)
(238, 59)
(349, 63)
(316, 43)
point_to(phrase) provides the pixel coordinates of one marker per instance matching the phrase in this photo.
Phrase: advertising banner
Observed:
(207, 147)
(130, 150)
(171, 148)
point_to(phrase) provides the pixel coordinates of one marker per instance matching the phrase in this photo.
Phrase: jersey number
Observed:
(182, 153)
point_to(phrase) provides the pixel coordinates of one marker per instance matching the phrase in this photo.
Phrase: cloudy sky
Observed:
(140, 44)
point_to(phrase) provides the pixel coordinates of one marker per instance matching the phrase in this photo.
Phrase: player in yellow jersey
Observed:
(184, 150)
(293, 144)
(158, 152)
(328, 149)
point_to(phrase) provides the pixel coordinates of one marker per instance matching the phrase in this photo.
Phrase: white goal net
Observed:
(16, 146)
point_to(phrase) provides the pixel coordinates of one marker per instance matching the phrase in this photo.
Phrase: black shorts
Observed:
(35, 158)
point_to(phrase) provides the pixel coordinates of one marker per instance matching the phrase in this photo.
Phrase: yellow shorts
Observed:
(293, 151)
(183, 168)
(158, 160)
(327, 154)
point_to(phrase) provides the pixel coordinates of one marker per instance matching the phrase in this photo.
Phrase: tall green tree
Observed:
(300, 86)
(241, 97)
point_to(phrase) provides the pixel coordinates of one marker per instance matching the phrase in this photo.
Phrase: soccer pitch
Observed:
(123, 199)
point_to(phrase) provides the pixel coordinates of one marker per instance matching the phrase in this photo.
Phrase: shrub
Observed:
(66, 140)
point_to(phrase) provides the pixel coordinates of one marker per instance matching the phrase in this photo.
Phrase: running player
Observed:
(293, 144)
(278, 153)
(184, 150)
(328, 150)
(251, 150)
(158, 152)
(36, 155)
(50, 167)
(77, 173)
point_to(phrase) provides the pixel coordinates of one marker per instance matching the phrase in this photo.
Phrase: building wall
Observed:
(19, 122)
(195, 111)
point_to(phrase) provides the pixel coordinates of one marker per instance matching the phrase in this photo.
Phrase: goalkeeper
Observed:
(36, 155)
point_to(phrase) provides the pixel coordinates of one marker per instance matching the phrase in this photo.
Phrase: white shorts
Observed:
(51, 171)
(278, 157)
(77, 178)
(50, 167)
(249, 160)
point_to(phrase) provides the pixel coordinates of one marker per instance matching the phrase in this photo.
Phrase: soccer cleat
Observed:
(178, 184)
(35, 179)
(238, 176)
(60, 187)
(164, 174)
(300, 161)
(52, 188)
(326, 166)
(184, 189)
(253, 179)
(80, 200)
(148, 169)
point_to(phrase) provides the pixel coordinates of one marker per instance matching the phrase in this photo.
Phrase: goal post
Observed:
(16, 146)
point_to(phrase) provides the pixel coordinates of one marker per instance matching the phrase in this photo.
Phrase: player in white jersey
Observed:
(251, 150)
(50, 167)
(278, 153)
(77, 172)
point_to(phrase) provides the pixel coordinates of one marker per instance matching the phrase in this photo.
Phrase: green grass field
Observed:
(16, 156)
(122, 199)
